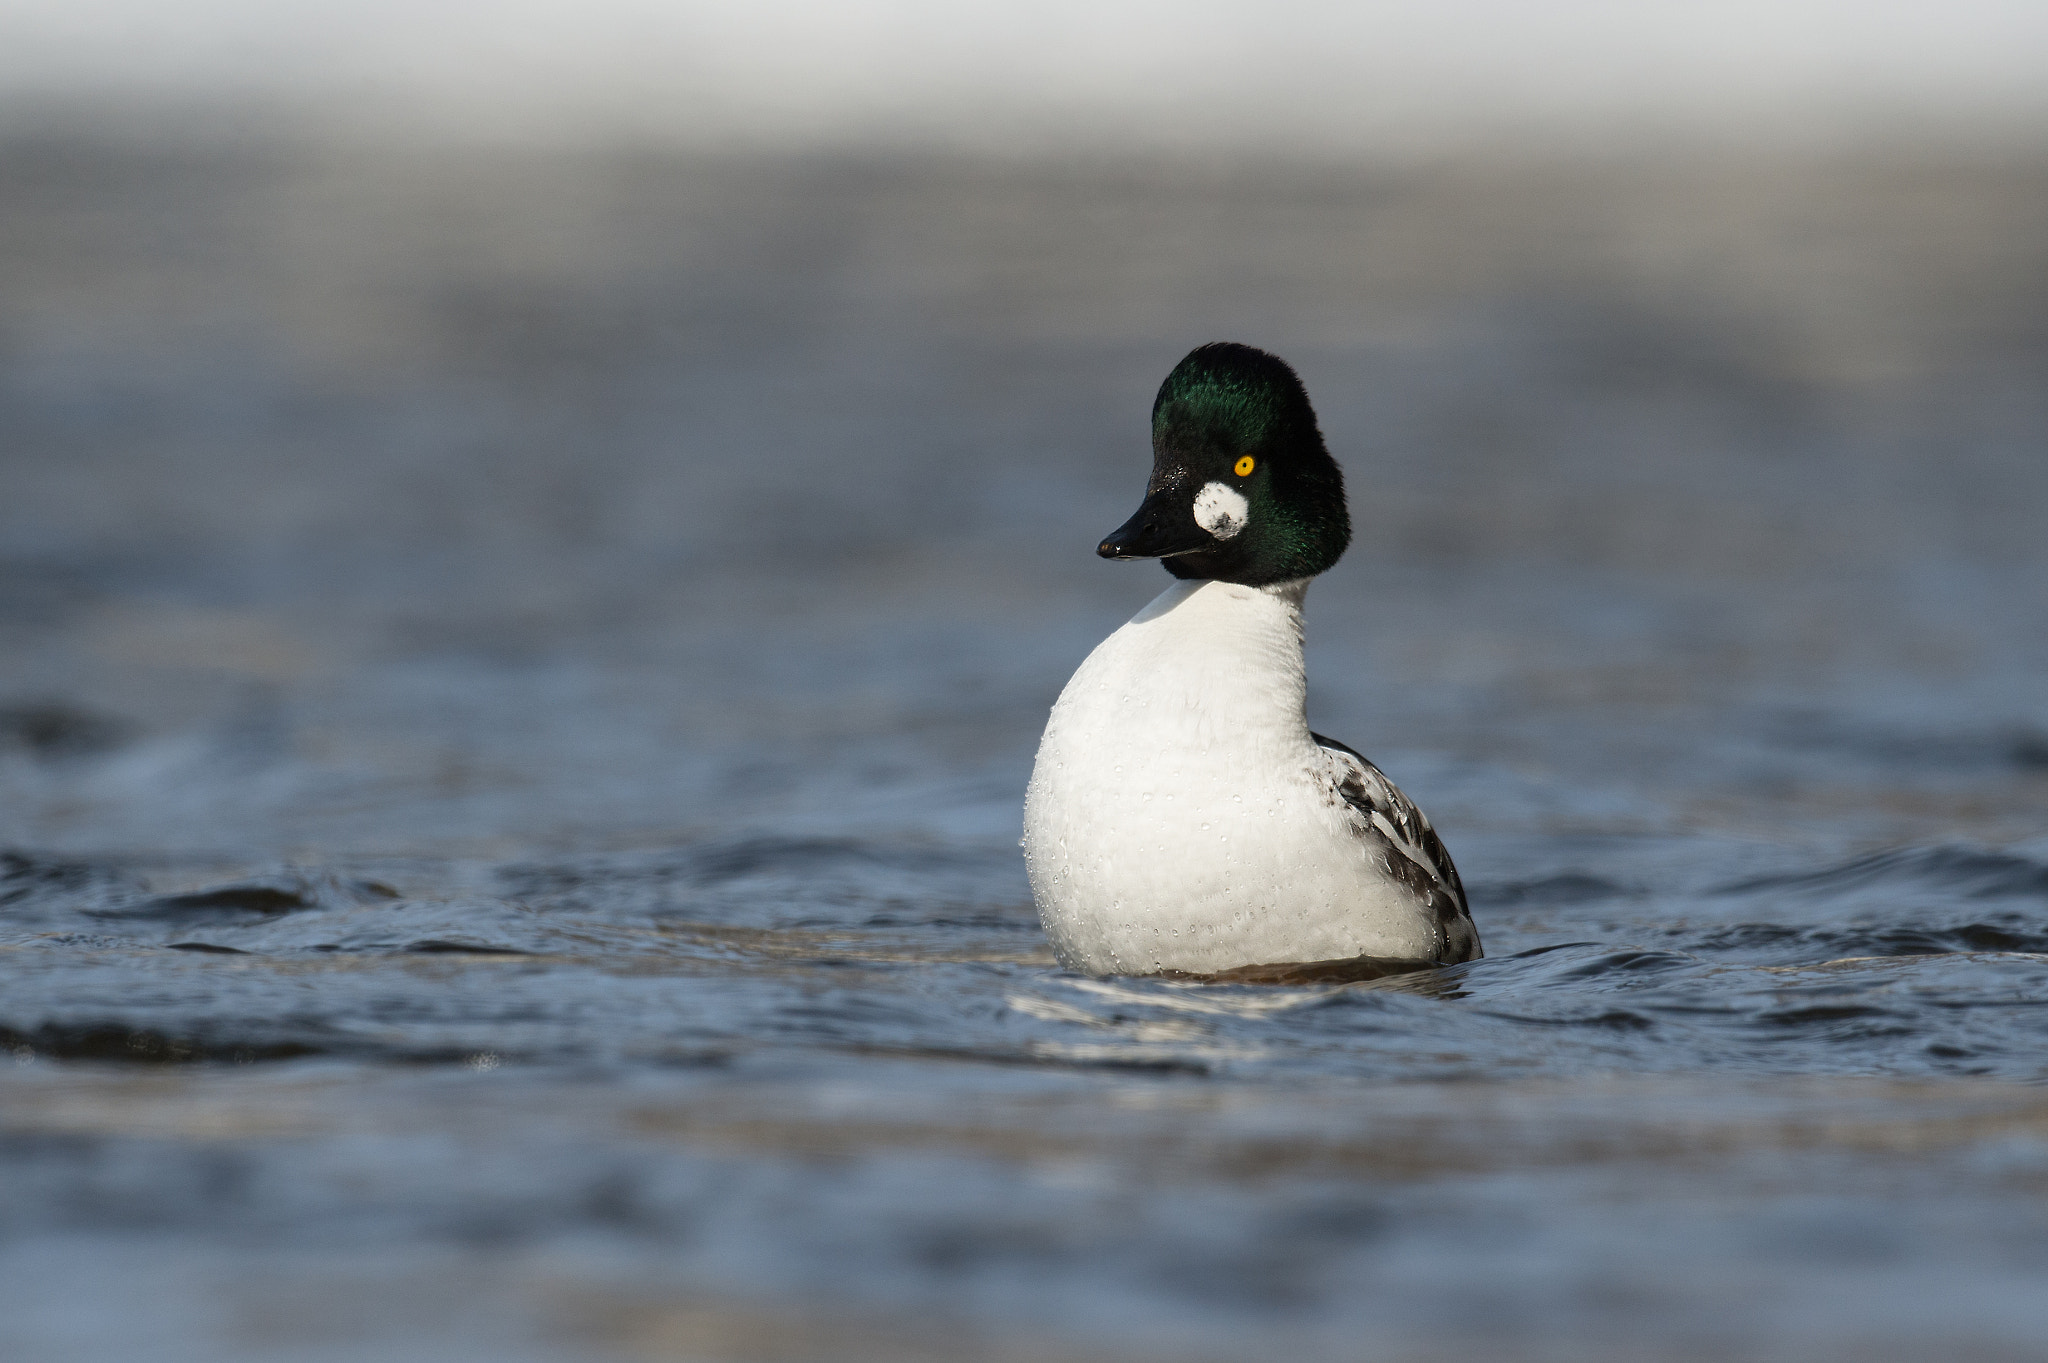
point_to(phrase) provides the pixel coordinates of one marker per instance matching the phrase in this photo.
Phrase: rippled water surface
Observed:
(520, 673)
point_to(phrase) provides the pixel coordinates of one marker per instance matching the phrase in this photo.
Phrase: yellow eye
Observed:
(1246, 465)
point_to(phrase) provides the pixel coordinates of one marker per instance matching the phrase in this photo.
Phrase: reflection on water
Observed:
(521, 672)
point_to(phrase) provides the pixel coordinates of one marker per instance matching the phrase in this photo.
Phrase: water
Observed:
(520, 673)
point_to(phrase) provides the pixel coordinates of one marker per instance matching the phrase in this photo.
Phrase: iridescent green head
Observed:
(1242, 487)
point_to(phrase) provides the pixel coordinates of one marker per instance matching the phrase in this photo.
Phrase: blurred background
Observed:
(536, 542)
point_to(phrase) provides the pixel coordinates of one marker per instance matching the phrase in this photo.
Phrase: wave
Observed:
(1977, 873)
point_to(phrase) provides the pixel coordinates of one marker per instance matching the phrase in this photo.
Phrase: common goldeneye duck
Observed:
(1181, 817)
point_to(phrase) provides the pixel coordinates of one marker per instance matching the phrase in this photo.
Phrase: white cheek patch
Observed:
(1221, 510)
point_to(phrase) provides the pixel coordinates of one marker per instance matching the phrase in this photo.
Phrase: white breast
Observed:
(1180, 816)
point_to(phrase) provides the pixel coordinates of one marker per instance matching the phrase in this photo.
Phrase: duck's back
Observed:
(1181, 816)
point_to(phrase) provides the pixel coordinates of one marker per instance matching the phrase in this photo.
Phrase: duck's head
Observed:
(1242, 489)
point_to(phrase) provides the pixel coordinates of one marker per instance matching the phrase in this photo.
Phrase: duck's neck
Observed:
(1224, 654)
(1288, 595)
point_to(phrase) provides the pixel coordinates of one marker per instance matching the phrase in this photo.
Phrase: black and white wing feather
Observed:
(1403, 844)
